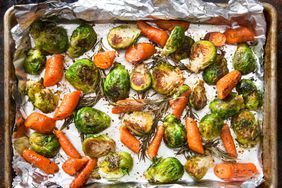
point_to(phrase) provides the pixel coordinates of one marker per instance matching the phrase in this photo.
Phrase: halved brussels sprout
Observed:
(117, 83)
(244, 59)
(90, 120)
(182, 89)
(174, 41)
(174, 133)
(246, 128)
(116, 165)
(139, 123)
(197, 166)
(203, 54)
(164, 170)
(183, 51)
(198, 98)
(140, 78)
(210, 126)
(21, 144)
(44, 144)
(83, 75)
(96, 146)
(34, 61)
(82, 39)
(123, 36)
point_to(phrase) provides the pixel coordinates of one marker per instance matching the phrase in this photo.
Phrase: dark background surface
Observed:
(5, 4)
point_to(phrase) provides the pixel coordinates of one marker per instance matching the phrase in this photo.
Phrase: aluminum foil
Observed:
(106, 14)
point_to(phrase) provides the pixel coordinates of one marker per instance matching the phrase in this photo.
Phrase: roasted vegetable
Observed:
(136, 53)
(90, 120)
(96, 146)
(198, 165)
(198, 98)
(217, 38)
(123, 36)
(34, 61)
(140, 78)
(44, 144)
(164, 170)
(21, 144)
(170, 24)
(82, 39)
(246, 128)
(184, 50)
(174, 41)
(117, 83)
(210, 126)
(244, 60)
(116, 165)
(174, 134)
(83, 75)
(203, 54)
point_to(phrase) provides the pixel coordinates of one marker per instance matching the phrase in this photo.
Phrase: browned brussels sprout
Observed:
(198, 98)
(34, 61)
(210, 126)
(140, 78)
(184, 51)
(21, 144)
(174, 41)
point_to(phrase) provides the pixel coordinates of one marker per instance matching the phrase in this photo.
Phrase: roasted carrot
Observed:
(128, 105)
(178, 105)
(67, 146)
(170, 24)
(40, 162)
(139, 52)
(54, 70)
(67, 105)
(194, 138)
(235, 171)
(217, 38)
(129, 140)
(238, 35)
(72, 165)
(225, 85)
(156, 142)
(83, 176)
(104, 60)
(228, 141)
(154, 34)
(20, 127)
(40, 123)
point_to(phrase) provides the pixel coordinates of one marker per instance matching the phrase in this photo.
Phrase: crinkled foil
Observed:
(106, 13)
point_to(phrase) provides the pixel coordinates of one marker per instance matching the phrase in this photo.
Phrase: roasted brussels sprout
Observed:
(166, 78)
(198, 98)
(227, 107)
(116, 165)
(210, 126)
(90, 120)
(254, 100)
(164, 170)
(21, 144)
(122, 36)
(182, 89)
(174, 41)
(215, 71)
(246, 128)
(140, 78)
(44, 144)
(42, 98)
(82, 39)
(244, 60)
(49, 37)
(34, 61)
(198, 165)
(203, 54)
(83, 75)
(117, 83)
(174, 133)
(98, 145)
(183, 51)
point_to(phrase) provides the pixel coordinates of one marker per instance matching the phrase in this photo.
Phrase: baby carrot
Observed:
(170, 24)
(139, 52)
(228, 141)
(225, 85)
(128, 105)
(67, 105)
(40, 123)
(20, 127)
(156, 142)
(238, 35)
(194, 138)
(104, 60)
(129, 140)
(217, 38)
(178, 105)
(54, 70)
(72, 165)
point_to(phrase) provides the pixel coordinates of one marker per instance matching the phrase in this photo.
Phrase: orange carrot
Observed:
(238, 35)
(178, 105)
(40, 161)
(72, 165)
(128, 105)
(104, 60)
(225, 85)
(170, 24)
(139, 52)
(235, 171)
(228, 141)
(67, 146)
(156, 142)
(40, 123)
(194, 138)
(54, 70)
(217, 38)
(129, 140)
(20, 128)
(83, 176)
(154, 34)
(67, 105)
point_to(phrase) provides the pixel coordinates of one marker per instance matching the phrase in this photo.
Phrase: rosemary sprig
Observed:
(213, 148)
(69, 120)
(186, 151)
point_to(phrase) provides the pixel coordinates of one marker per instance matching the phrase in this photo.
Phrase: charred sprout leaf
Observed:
(34, 61)
(210, 126)
(21, 144)
(140, 78)
(164, 170)
(183, 52)
(198, 98)
(174, 41)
